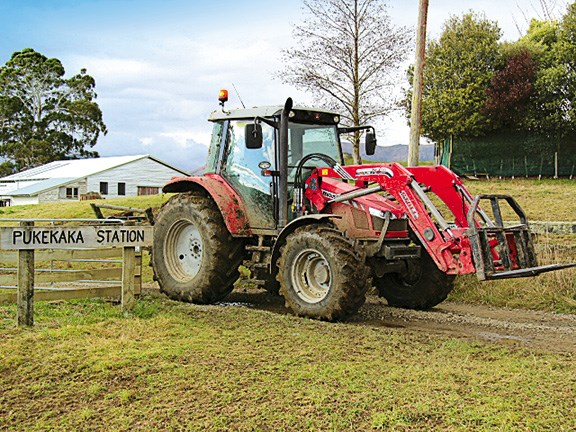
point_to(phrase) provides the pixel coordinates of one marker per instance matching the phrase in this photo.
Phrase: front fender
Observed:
(229, 203)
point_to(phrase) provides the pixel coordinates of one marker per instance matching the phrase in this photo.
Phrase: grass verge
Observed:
(78, 209)
(174, 366)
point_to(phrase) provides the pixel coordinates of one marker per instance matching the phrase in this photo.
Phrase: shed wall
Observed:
(24, 200)
(141, 173)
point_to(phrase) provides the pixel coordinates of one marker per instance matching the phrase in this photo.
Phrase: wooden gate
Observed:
(61, 260)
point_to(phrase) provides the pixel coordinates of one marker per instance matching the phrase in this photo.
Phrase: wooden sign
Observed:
(78, 237)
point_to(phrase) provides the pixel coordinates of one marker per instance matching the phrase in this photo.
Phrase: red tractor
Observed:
(277, 198)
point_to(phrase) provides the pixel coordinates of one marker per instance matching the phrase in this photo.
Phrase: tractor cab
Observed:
(245, 151)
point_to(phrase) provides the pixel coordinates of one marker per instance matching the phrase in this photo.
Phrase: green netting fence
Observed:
(510, 154)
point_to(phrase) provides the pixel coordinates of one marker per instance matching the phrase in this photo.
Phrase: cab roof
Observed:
(265, 111)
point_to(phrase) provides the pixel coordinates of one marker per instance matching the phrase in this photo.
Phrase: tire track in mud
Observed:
(512, 327)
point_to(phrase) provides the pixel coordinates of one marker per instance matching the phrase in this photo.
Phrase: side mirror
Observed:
(253, 136)
(370, 143)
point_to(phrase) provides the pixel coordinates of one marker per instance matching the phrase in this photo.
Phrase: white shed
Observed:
(67, 180)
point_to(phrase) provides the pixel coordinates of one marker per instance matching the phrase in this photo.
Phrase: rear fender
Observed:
(229, 203)
(297, 223)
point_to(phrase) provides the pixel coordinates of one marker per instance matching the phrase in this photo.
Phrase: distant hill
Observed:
(395, 153)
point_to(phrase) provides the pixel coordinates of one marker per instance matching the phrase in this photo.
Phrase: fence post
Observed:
(555, 165)
(25, 296)
(128, 269)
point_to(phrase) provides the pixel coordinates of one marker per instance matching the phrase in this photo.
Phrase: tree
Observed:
(511, 91)
(459, 67)
(545, 10)
(44, 116)
(566, 58)
(545, 116)
(347, 56)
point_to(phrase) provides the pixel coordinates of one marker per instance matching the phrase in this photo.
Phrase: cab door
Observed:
(242, 170)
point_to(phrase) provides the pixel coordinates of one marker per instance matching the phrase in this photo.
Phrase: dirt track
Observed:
(542, 331)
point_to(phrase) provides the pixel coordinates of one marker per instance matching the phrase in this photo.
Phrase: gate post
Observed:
(128, 270)
(25, 295)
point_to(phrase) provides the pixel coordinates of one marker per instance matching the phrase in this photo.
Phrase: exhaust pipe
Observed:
(283, 168)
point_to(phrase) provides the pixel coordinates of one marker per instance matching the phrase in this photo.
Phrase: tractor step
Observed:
(252, 264)
(253, 248)
(257, 282)
(397, 252)
(527, 272)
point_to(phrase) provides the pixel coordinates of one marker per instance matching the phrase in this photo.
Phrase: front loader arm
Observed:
(443, 241)
(468, 242)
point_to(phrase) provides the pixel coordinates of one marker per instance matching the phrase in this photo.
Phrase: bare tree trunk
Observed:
(356, 107)
(416, 114)
(356, 153)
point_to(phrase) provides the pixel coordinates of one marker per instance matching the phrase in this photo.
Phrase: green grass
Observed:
(174, 366)
(542, 200)
(78, 209)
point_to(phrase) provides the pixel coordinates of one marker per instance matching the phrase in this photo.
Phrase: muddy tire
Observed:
(423, 287)
(322, 274)
(195, 258)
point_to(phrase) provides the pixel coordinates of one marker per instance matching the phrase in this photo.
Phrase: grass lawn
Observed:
(542, 200)
(173, 366)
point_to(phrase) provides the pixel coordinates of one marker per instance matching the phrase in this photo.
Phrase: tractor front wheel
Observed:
(322, 274)
(423, 286)
(195, 258)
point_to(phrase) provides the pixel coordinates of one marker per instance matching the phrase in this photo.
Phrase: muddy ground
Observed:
(542, 331)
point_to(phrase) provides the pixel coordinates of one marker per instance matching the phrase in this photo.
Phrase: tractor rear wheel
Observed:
(322, 274)
(195, 258)
(422, 287)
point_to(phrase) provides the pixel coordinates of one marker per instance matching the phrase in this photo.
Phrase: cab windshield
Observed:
(304, 139)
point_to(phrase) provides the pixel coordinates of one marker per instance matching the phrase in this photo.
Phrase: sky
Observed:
(159, 64)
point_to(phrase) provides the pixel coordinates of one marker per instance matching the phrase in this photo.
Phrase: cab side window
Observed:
(243, 162)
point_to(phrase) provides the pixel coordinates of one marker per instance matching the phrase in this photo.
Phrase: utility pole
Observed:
(416, 113)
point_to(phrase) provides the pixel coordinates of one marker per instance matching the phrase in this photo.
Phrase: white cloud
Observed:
(158, 81)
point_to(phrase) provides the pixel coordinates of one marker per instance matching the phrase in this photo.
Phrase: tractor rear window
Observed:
(214, 149)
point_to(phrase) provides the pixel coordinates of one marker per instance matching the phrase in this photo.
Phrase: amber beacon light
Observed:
(223, 96)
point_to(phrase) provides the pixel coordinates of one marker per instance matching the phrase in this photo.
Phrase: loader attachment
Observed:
(502, 252)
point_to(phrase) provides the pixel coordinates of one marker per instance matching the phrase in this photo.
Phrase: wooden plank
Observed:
(67, 276)
(108, 291)
(97, 211)
(25, 293)
(11, 256)
(128, 283)
(115, 207)
(137, 284)
(9, 298)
